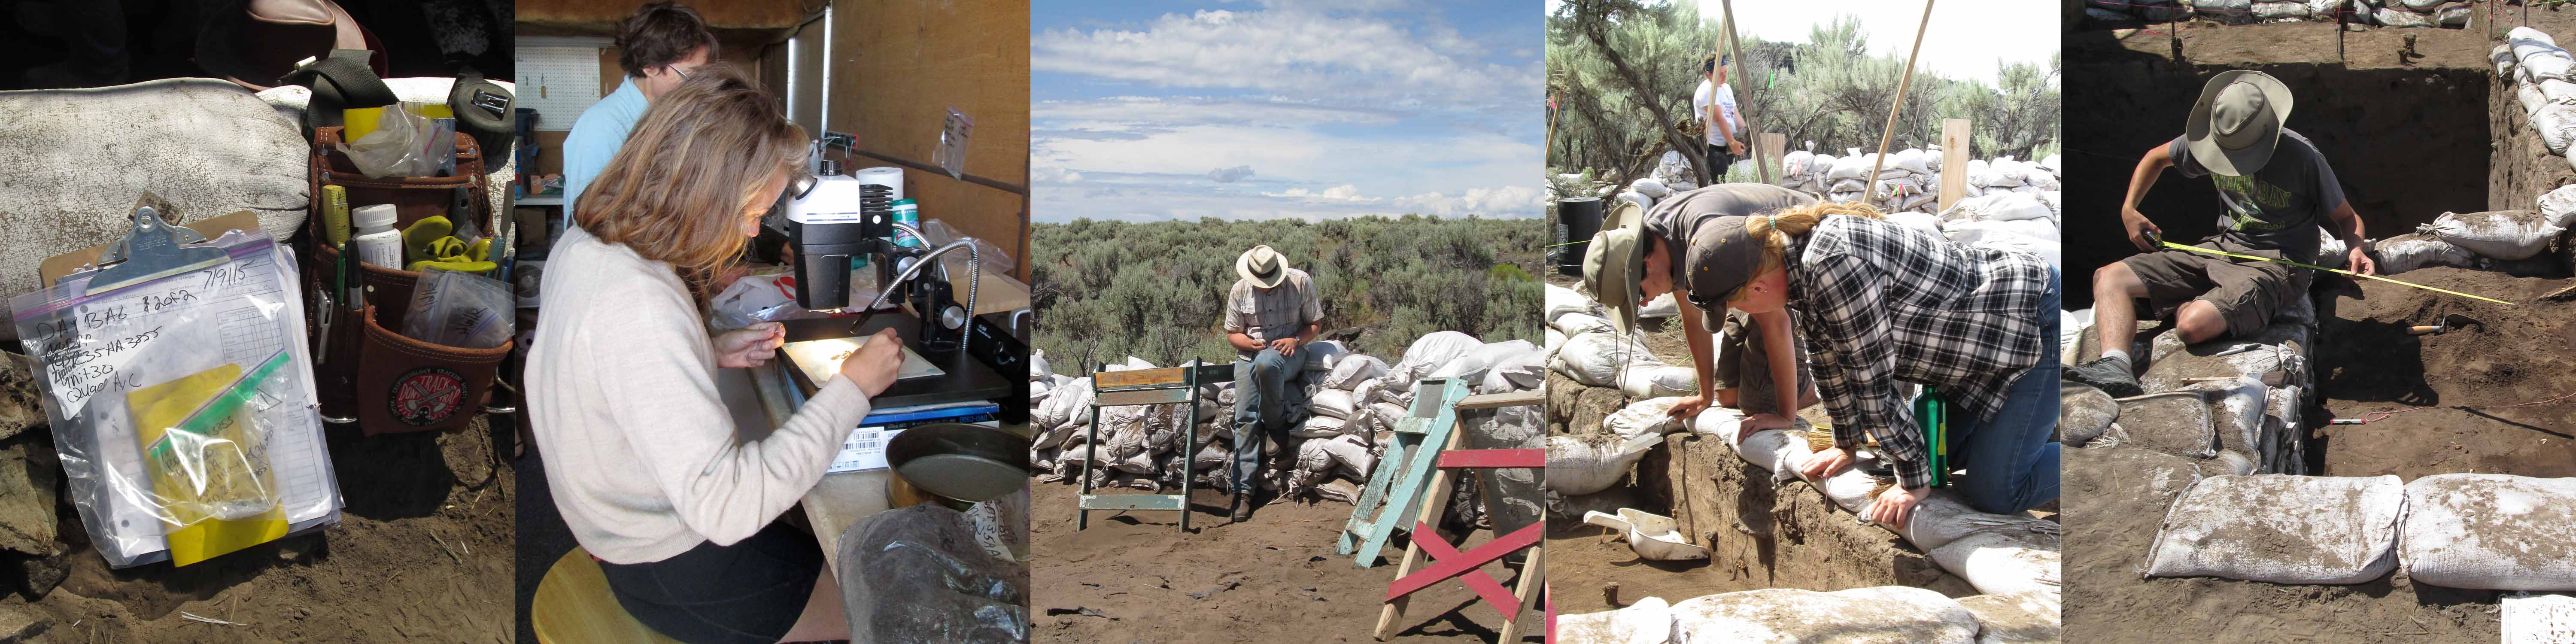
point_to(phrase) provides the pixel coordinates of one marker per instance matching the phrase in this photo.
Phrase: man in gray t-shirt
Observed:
(2278, 191)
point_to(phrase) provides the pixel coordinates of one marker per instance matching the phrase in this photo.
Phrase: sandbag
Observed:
(1650, 187)
(2084, 413)
(1070, 406)
(1562, 300)
(1323, 356)
(1574, 324)
(2015, 619)
(2556, 125)
(2177, 423)
(2282, 529)
(2280, 10)
(2490, 532)
(1430, 352)
(1578, 465)
(1320, 426)
(1522, 372)
(1594, 358)
(1644, 417)
(78, 159)
(2558, 206)
(1353, 370)
(2501, 234)
(1885, 614)
(1919, 221)
(1649, 621)
(1333, 403)
(2001, 206)
(1646, 380)
(2412, 251)
(2003, 563)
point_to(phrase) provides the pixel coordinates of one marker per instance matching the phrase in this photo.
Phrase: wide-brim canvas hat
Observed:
(2236, 124)
(1614, 261)
(1262, 266)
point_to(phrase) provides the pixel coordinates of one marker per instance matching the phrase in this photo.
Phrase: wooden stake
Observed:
(1889, 135)
(1736, 46)
(1954, 161)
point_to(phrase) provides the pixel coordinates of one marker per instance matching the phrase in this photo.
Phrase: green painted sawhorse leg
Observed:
(1171, 385)
(1395, 490)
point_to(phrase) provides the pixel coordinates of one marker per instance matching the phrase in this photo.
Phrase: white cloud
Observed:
(1177, 110)
(1051, 174)
(1230, 175)
(1357, 60)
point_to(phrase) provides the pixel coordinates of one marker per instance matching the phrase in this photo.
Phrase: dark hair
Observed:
(659, 34)
(737, 139)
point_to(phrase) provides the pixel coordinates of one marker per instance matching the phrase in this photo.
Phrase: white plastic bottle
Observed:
(377, 242)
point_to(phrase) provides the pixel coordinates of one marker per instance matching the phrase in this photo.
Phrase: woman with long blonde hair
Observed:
(640, 453)
(1877, 303)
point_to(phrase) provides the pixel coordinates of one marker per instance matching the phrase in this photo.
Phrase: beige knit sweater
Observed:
(642, 457)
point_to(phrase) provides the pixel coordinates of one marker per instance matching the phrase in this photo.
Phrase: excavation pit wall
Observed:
(2407, 141)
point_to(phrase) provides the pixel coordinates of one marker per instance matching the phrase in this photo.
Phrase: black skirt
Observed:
(750, 592)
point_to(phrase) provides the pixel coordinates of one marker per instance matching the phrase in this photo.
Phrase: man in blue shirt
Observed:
(657, 47)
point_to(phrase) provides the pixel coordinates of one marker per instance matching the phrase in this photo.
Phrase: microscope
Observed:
(835, 217)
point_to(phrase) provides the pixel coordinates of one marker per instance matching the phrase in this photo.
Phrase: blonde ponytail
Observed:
(1776, 229)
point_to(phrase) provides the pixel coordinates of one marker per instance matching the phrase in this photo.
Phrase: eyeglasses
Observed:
(684, 74)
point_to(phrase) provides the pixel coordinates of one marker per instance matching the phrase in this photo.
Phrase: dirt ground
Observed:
(1133, 577)
(2368, 363)
(2109, 527)
(422, 552)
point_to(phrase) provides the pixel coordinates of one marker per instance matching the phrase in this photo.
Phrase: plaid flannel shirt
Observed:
(1884, 302)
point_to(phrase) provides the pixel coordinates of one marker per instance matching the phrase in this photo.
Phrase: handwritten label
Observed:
(106, 348)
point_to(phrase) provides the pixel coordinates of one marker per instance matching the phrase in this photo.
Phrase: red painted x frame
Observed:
(1453, 564)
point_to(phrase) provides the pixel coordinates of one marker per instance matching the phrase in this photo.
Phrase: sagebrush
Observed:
(1105, 290)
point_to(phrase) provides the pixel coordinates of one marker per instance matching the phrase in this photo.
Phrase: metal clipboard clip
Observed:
(153, 249)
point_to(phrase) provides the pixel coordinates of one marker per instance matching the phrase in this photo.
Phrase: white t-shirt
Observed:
(1725, 109)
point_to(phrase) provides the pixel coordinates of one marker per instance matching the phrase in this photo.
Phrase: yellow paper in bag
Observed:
(213, 485)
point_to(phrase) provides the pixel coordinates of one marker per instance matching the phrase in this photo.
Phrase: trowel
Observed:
(2449, 322)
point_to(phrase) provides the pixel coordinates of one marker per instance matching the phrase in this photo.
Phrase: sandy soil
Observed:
(1134, 577)
(422, 552)
(2367, 363)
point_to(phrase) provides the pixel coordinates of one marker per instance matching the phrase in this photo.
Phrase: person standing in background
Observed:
(657, 47)
(1714, 103)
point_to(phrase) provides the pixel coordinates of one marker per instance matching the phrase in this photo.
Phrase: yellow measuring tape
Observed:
(2332, 270)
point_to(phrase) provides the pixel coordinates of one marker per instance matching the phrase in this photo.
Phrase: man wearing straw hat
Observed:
(1879, 303)
(2278, 190)
(1270, 314)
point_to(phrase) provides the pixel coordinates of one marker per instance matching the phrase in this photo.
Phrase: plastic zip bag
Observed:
(397, 148)
(183, 406)
(460, 309)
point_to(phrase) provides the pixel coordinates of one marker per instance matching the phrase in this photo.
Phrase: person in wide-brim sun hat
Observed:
(1270, 315)
(1876, 303)
(2278, 192)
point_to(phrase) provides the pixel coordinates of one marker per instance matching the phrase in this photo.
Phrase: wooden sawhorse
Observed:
(1423, 539)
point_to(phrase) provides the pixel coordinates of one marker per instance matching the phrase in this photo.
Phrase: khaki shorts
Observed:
(2247, 292)
(1743, 362)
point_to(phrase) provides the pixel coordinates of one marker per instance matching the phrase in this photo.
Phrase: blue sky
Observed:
(1309, 109)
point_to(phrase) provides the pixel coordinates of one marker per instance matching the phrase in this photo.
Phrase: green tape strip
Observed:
(2198, 249)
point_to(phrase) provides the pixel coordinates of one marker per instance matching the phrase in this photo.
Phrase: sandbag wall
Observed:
(1910, 179)
(2474, 531)
(2386, 13)
(1353, 401)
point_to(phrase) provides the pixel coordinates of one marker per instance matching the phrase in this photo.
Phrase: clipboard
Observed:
(141, 335)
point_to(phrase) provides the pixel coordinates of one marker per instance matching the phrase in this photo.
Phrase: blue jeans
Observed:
(1265, 392)
(2012, 464)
